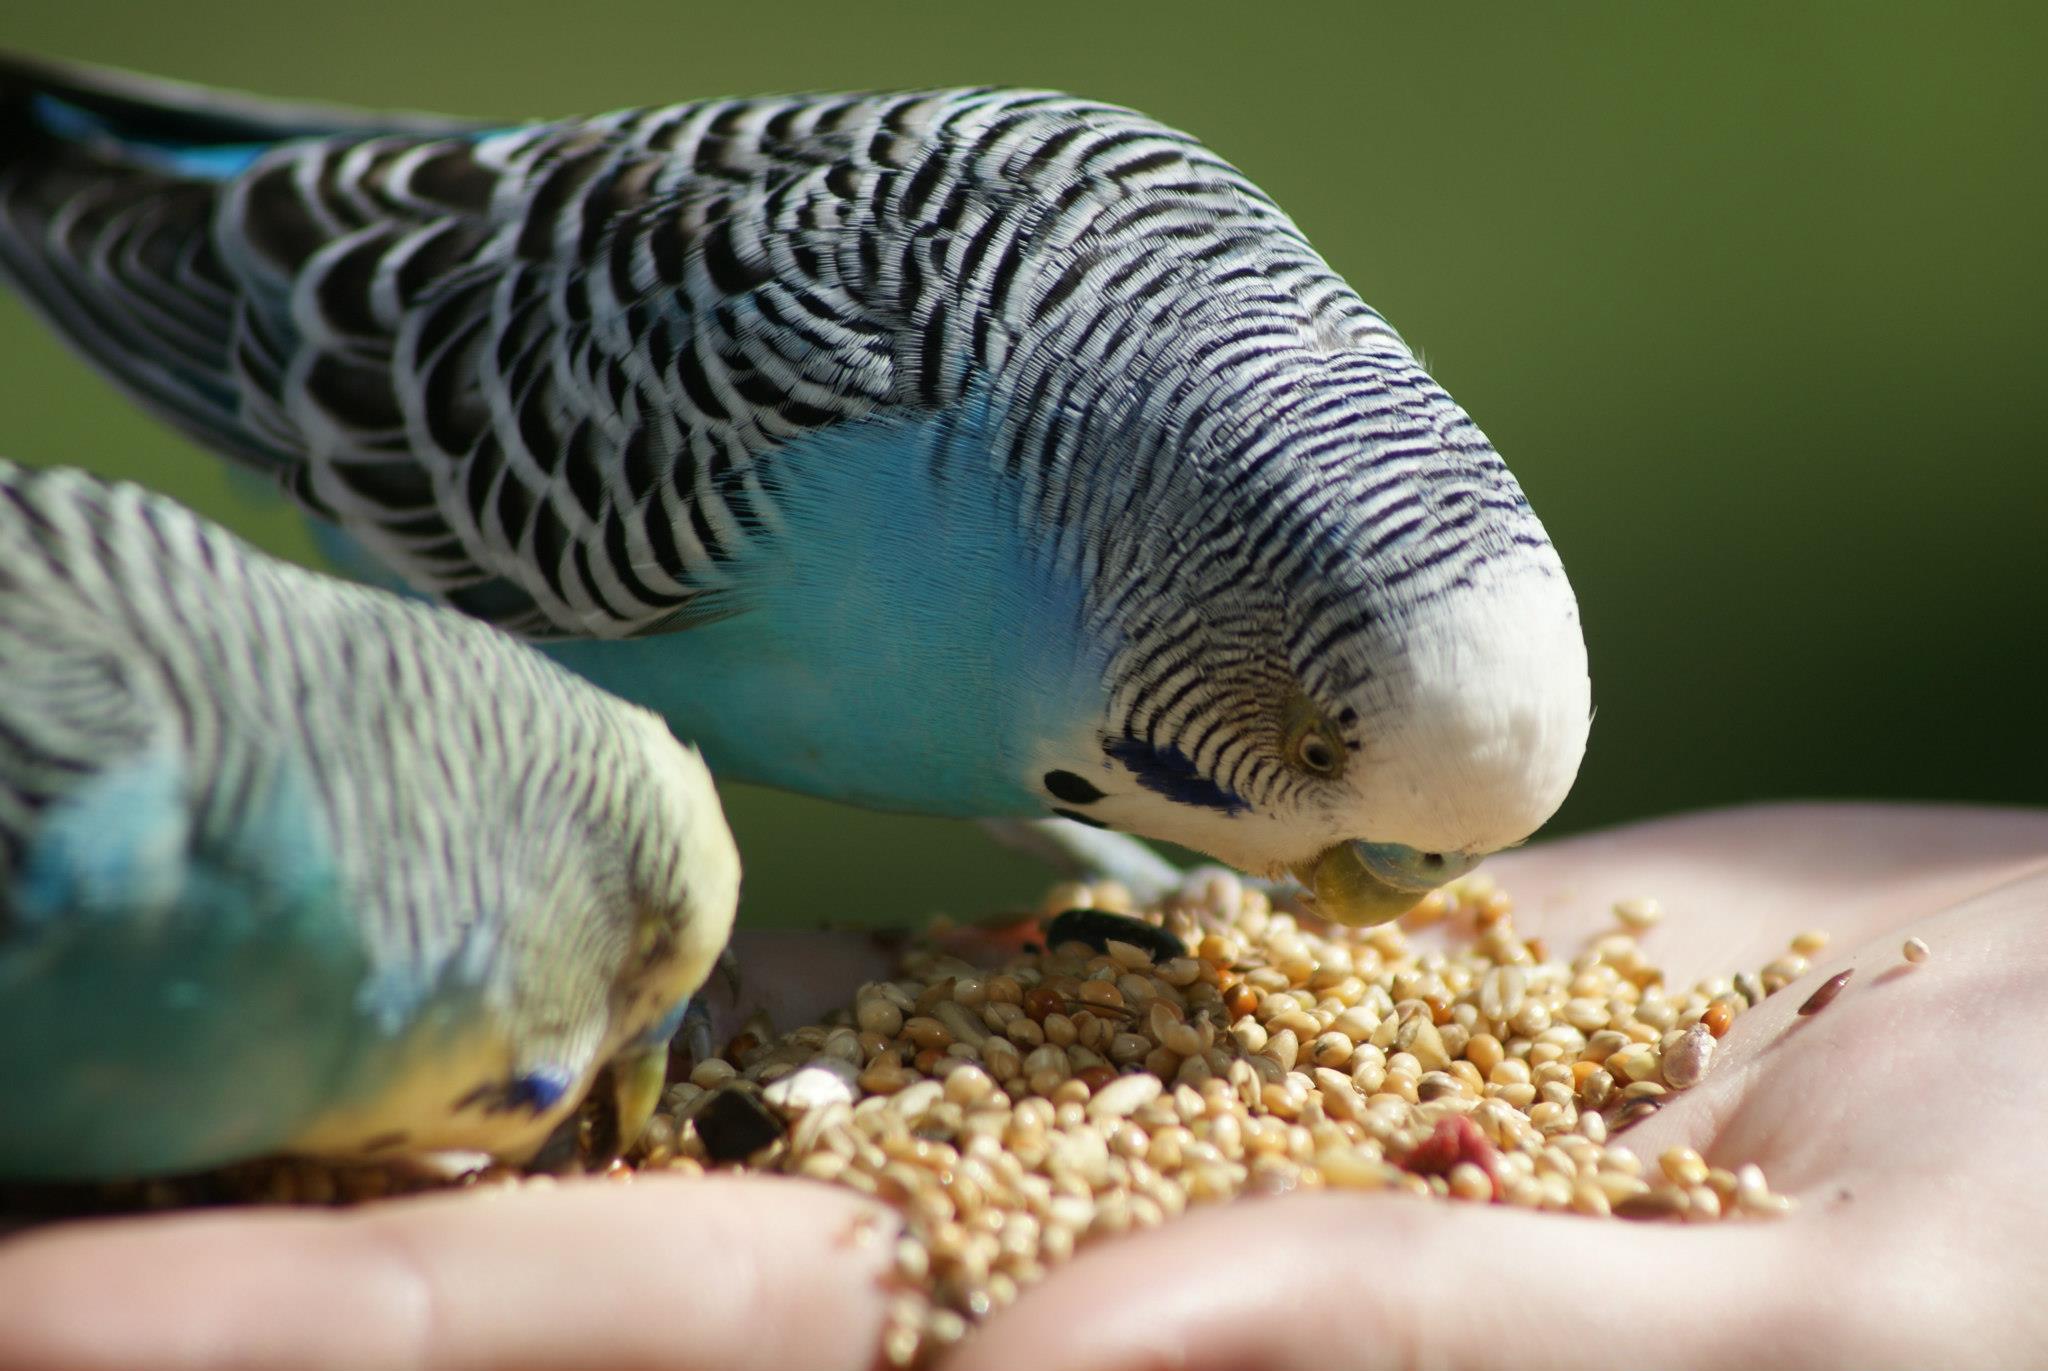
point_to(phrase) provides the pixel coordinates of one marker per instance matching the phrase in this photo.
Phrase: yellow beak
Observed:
(1347, 891)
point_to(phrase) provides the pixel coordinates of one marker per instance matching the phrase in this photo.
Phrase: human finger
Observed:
(1331, 1282)
(1910, 1075)
(1736, 883)
(658, 1273)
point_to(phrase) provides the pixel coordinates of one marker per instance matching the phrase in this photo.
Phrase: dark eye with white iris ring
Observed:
(1317, 754)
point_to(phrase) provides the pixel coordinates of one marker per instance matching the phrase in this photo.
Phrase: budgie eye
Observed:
(1317, 755)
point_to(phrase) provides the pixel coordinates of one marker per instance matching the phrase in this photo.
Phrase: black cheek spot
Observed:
(1080, 818)
(1076, 790)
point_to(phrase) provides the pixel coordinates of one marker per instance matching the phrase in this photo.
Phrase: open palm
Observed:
(1903, 1119)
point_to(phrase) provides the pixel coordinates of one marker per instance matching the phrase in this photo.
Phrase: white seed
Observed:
(1915, 951)
(1124, 1095)
(1586, 1014)
(961, 1022)
(1427, 1045)
(826, 1081)
(1532, 1018)
(1656, 1011)
(1129, 956)
(1501, 993)
(1639, 915)
(1685, 1065)
(968, 1084)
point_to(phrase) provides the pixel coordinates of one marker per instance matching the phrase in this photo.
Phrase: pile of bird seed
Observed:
(1140, 1062)
(1145, 1062)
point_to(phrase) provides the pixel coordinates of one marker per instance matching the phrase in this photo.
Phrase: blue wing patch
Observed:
(116, 845)
(210, 162)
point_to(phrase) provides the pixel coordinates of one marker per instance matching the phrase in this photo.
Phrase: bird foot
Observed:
(1080, 853)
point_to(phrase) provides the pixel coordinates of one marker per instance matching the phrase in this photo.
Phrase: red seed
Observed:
(1456, 1139)
(1039, 1002)
(1718, 1017)
(1825, 996)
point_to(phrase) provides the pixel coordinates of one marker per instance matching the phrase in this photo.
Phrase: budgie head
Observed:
(635, 837)
(685, 873)
(1338, 722)
(623, 882)
(1342, 646)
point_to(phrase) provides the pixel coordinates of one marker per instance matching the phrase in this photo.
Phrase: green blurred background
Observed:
(1751, 297)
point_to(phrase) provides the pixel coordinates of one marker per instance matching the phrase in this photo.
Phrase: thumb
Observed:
(1332, 1282)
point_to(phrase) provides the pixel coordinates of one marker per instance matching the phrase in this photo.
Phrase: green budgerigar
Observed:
(294, 865)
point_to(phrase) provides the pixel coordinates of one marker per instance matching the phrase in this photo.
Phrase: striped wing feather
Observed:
(545, 371)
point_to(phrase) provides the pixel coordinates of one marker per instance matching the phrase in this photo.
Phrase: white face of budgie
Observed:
(1462, 735)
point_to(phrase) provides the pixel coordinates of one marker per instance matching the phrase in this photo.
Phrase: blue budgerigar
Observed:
(976, 452)
(293, 865)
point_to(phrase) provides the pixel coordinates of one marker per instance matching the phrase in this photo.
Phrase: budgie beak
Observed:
(637, 1079)
(1369, 883)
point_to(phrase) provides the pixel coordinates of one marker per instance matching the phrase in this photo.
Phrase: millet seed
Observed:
(1017, 1114)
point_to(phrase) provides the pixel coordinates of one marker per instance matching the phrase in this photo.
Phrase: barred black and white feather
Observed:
(543, 370)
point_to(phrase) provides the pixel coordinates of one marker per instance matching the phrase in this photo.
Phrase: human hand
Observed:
(1911, 1096)
(1904, 1119)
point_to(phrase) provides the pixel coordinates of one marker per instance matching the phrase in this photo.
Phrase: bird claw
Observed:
(1078, 852)
(696, 1035)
